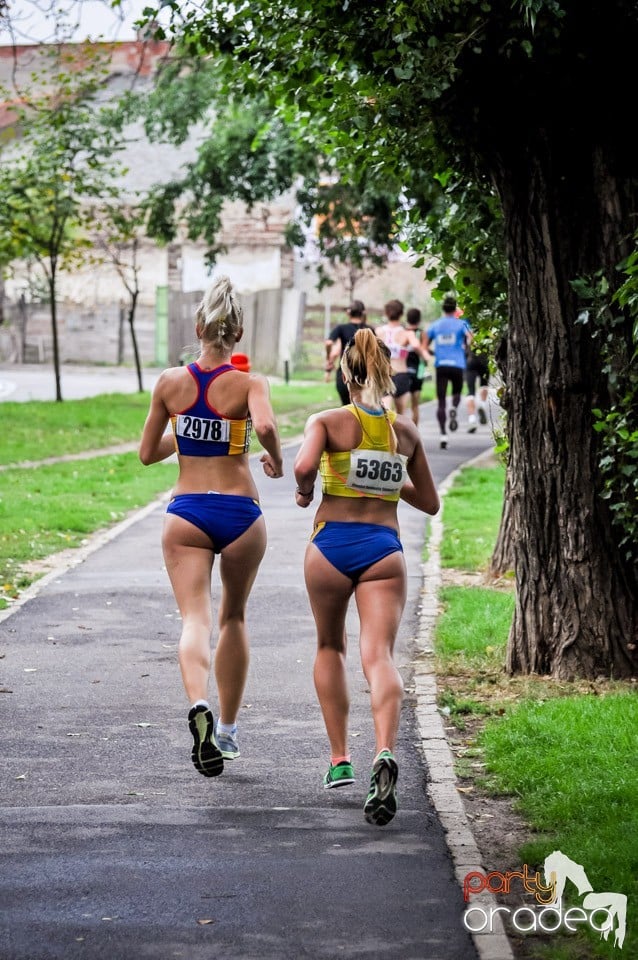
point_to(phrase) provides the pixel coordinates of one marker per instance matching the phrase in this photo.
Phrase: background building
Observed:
(278, 291)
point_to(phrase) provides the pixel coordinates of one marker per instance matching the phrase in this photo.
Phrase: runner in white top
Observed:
(400, 342)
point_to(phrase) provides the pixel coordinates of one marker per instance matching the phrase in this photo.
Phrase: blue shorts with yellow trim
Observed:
(353, 547)
(222, 516)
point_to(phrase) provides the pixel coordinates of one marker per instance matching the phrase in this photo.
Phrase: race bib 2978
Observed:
(201, 428)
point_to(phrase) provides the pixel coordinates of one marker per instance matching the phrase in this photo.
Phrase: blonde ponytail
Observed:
(219, 315)
(366, 363)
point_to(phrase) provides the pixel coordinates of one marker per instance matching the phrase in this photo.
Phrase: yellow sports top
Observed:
(371, 469)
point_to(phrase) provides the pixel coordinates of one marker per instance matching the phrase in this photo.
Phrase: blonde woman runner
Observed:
(215, 510)
(368, 458)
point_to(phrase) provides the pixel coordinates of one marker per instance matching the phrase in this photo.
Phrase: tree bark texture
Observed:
(576, 602)
(502, 559)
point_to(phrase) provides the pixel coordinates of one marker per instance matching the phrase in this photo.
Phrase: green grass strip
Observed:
(470, 642)
(473, 627)
(42, 429)
(573, 763)
(471, 517)
(570, 759)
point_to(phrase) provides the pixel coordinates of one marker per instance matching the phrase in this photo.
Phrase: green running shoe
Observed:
(339, 775)
(381, 805)
(206, 755)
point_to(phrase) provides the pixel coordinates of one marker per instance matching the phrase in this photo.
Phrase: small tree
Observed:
(117, 232)
(60, 160)
(347, 230)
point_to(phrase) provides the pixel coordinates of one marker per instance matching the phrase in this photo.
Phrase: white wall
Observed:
(249, 269)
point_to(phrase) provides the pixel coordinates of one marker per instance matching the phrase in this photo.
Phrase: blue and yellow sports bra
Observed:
(370, 470)
(200, 431)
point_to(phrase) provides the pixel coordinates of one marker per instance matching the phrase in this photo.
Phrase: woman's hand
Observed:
(304, 498)
(272, 468)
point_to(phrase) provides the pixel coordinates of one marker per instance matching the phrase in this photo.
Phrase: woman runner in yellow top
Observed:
(368, 457)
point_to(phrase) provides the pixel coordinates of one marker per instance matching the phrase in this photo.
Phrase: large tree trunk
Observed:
(502, 559)
(576, 602)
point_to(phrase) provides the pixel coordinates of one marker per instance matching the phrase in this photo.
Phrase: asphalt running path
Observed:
(36, 381)
(114, 847)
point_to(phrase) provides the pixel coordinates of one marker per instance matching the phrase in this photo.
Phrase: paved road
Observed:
(113, 848)
(36, 381)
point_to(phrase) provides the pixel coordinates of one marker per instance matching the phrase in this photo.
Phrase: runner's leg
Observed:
(188, 556)
(380, 597)
(238, 568)
(329, 592)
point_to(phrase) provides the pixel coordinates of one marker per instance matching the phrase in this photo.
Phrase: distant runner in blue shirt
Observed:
(448, 337)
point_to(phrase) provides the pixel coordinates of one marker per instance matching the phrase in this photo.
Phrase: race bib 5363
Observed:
(376, 471)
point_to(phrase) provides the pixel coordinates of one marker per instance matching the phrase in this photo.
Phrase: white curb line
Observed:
(434, 744)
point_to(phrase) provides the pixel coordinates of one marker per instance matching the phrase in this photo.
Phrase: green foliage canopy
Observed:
(254, 152)
(365, 84)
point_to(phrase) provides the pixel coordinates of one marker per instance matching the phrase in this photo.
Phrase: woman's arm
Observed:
(155, 444)
(420, 490)
(263, 418)
(308, 458)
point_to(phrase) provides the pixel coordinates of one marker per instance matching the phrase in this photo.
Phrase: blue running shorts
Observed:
(353, 547)
(222, 516)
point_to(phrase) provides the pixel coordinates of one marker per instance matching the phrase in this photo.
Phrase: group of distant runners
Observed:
(446, 343)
